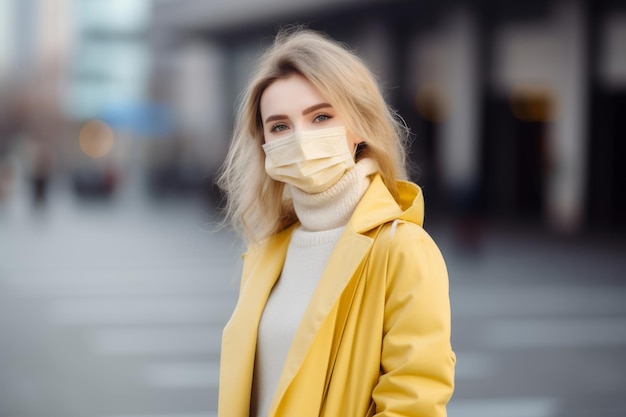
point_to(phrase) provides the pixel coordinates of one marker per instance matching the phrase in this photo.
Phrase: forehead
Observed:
(289, 94)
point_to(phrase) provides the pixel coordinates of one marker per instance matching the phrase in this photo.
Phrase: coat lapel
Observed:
(348, 254)
(262, 267)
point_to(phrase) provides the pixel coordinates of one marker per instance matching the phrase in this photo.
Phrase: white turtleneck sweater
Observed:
(323, 217)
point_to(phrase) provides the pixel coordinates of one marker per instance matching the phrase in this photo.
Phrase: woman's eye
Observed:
(321, 118)
(278, 127)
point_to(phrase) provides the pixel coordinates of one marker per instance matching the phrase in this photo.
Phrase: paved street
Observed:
(115, 309)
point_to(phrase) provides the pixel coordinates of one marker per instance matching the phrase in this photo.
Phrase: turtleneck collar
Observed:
(333, 208)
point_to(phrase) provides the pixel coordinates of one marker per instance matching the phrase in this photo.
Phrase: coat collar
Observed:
(262, 267)
(378, 206)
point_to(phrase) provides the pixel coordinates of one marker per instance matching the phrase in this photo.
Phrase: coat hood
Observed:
(378, 206)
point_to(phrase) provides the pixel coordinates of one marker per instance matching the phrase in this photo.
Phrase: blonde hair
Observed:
(256, 205)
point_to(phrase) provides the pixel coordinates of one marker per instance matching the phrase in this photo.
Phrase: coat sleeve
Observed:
(417, 361)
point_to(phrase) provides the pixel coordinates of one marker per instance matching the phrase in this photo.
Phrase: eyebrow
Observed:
(304, 112)
(315, 107)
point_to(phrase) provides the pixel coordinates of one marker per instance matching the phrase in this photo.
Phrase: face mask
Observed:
(312, 160)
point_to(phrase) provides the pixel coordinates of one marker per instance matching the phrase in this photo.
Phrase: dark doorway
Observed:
(515, 159)
(606, 191)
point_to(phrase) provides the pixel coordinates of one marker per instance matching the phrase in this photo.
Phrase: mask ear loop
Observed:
(358, 149)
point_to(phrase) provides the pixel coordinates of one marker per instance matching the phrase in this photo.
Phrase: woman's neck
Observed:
(333, 208)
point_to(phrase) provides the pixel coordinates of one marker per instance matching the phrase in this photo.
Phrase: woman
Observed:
(343, 307)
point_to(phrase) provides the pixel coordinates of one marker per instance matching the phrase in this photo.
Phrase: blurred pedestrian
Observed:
(344, 306)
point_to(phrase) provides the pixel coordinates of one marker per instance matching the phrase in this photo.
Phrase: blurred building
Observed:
(518, 108)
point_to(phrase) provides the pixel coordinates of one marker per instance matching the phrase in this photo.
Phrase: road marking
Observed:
(174, 375)
(511, 300)
(555, 332)
(474, 365)
(209, 414)
(503, 407)
(162, 340)
(142, 310)
(214, 277)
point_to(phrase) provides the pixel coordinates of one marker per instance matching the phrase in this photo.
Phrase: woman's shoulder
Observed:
(407, 243)
(400, 232)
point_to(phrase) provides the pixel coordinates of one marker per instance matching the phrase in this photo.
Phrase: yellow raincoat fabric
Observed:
(375, 337)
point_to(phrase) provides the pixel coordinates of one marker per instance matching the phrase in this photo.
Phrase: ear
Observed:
(356, 140)
(353, 140)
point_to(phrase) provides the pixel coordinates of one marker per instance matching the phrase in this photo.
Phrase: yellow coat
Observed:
(375, 337)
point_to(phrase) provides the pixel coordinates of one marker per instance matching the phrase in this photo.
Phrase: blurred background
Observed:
(115, 279)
